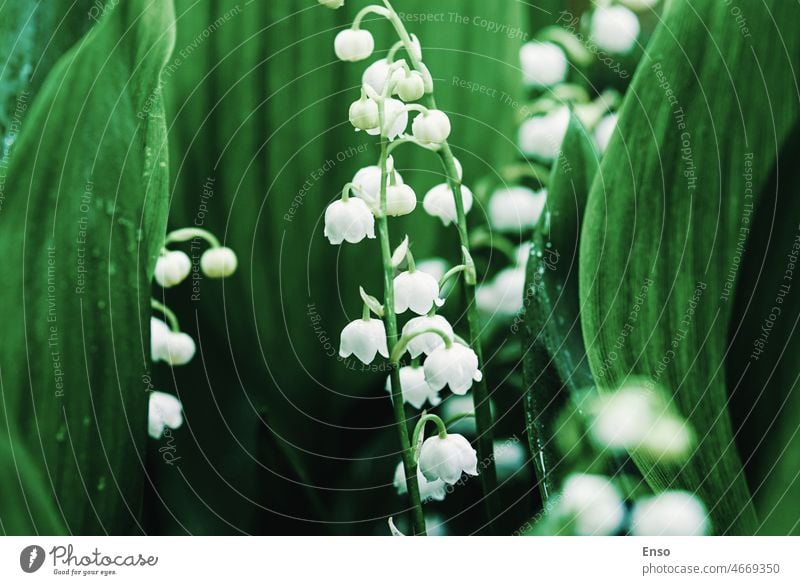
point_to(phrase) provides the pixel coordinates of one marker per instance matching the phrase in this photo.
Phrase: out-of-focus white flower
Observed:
(456, 406)
(614, 28)
(364, 338)
(418, 291)
(164, 410)
(455, 366)
(349, 220)
(333, 4)
(427, 342)
(637, 418)
(603, 131)
(411, 87)
(363, 114)
(435, 525)
(639, 5)
(172, 268)
(368, 181)
(503, 296)
(672, 513)
(593, 503)
(514, 209)
(395, 118)
(509, 457)
(219, 262)
(416, 390)
(353, 45)
(446, 458)
(173, 347)
(522, 253)
(428, 490)
(436, 267)
(400, 200)
(440, 202)
(541, 137)
(543, 64)
(377, 73)
(431, 127)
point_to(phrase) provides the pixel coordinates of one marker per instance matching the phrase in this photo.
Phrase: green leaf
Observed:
(83, 220)
(555, 364)
(665, 221)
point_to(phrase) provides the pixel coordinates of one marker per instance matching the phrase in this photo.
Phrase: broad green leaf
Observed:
(83, 220)
(668, 216)
(555, 363)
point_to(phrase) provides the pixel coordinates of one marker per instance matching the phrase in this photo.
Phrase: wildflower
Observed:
(349, 220)
(615, 29)
(164, 410)
(603, 131)
(415, 389)
(400, 200)
(446, 458)
(172, 268)
(364, 114)
(428, 490)
(593, 504)
(368, 181)
(541, 137)
(353, 45)
(219, 262)
(426, 342)
(431, 127)
(543, 64)
(173, 347)
(411, 87)
(455, 366)
(416, 290)
(377, 74)
(504, 295)
(514, 209)
(395, 119)
(364, 338)
(671, 513)
(440, 202)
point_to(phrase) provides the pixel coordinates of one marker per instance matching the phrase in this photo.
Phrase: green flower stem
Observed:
(390, 321)
(419, 435)
(167, 312)
(400, 348)
(483, 414)
(451, 273)
(186, 234)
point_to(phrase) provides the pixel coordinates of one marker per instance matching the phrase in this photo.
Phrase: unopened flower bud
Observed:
(172, 268)
(364, 114)
(332, 4)
(411, 88)
(218, 262)
(615, 29)
(354, 45)
(432, 127)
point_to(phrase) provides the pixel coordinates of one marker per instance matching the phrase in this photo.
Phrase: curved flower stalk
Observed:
(381, 194)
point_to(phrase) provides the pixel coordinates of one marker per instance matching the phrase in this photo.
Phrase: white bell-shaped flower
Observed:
(353, 45)
(164, 411)
(364, 114)
(333, 4)
(417, 290)
(159, 331)
(368, 181)
(446, 458)
(411, 87)
(615, 28)
(503, 296)
(349, 220)
(434, 490)
(173, 347)
(431, 127)
(593, 503)
(426, 342)
(172, 268)
(395, 118)
(455, 366)
(514, 209)
(603, 131)
(400, 200)
(671, 513)
(377, 73)
(415, 389)
(541, 137)
(218, 262)
(543, 64)
(440, 202)
(364, 338)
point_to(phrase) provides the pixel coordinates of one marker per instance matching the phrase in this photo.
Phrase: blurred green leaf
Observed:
(669, 208)
(83, 221)
(555, 364)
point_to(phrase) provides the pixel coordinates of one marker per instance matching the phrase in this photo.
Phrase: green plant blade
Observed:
(665, 217)
(84, 218)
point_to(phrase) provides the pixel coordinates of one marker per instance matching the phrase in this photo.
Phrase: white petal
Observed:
(440, 202)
